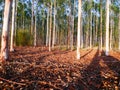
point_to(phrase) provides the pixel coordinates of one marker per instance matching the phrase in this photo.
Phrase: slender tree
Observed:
(53, 40)
(101, 25)
(4, 42)
(35, 32)
(78, 31)
(119, 31)
(32, 18)
(13, 27)
(50, 27)
(16, 20)
(91, 24)
(107, 28)
(47, 34)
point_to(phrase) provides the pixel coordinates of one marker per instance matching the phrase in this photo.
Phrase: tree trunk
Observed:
(72, 32)
(78, 32)
(111, 33)
(53, 40)
(101, 44)
(50, 27)
(35, 32)
(47, 35)
(90, 29)
(32, 19)
(16, 21)
(107, 28)
(4, 42)
(119, 31)
(13, 27)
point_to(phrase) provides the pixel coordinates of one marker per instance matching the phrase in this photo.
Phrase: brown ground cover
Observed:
(37, 69)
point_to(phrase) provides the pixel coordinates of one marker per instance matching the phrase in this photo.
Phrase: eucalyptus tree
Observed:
(32, 18)
(35, 30)
(13, 27)
(54, 25)
(119, 30)
(5, 30)
(47, 32)
(107, 28)
(50, 31)
(101, 33)
(78, 31)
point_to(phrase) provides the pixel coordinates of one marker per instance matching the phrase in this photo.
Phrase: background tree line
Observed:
(54, 23)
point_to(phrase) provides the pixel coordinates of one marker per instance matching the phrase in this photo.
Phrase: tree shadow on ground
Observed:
(94, 78)
(91, 75)
(86, 53)
(113, 74)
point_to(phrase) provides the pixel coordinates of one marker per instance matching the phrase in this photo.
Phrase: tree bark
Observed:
(101, 44)
(50, 27)
(32, 19)
(53, 40)
(47, 35)
(78, 31)
(4, 42)
(35, 32)
(91, 29)
(15, 21)
(111, 33)
(13, 27)
(119, 31)
(107, 28)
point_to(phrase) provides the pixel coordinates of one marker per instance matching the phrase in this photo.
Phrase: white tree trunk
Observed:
(32, 19)
(47, 35)
(53, 40)
(119, 31)
(91, 29)
(78, 32)
(16, 20)
(101, 26)
(50, 27)
(13, 27)
(35, 32)
(107, 28)
(4, 42)
(111, 33)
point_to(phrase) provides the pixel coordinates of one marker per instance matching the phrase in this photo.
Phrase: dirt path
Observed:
(36, 68)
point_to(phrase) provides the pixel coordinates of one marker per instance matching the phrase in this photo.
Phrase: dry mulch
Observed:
(32, 68)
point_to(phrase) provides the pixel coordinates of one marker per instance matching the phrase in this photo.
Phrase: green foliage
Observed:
(23, 38)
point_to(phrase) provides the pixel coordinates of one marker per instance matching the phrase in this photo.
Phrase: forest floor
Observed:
(37, 69)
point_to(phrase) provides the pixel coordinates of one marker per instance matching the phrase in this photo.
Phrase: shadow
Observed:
(86, 53)
(91, 75)
(113, 72)
(103, 73)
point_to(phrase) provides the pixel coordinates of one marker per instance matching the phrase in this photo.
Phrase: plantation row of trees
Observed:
(69, 23)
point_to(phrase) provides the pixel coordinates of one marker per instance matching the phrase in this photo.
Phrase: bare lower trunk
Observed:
(35, 32)
(32, 19)
(111, 33)
(50, 27)
(47, 35)
(101, 26)
(119, 31)
(91, 29)
(15, 21)
(53, 40)
(78, 32)
(107, 28)
(4, 42)
(13, 27)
